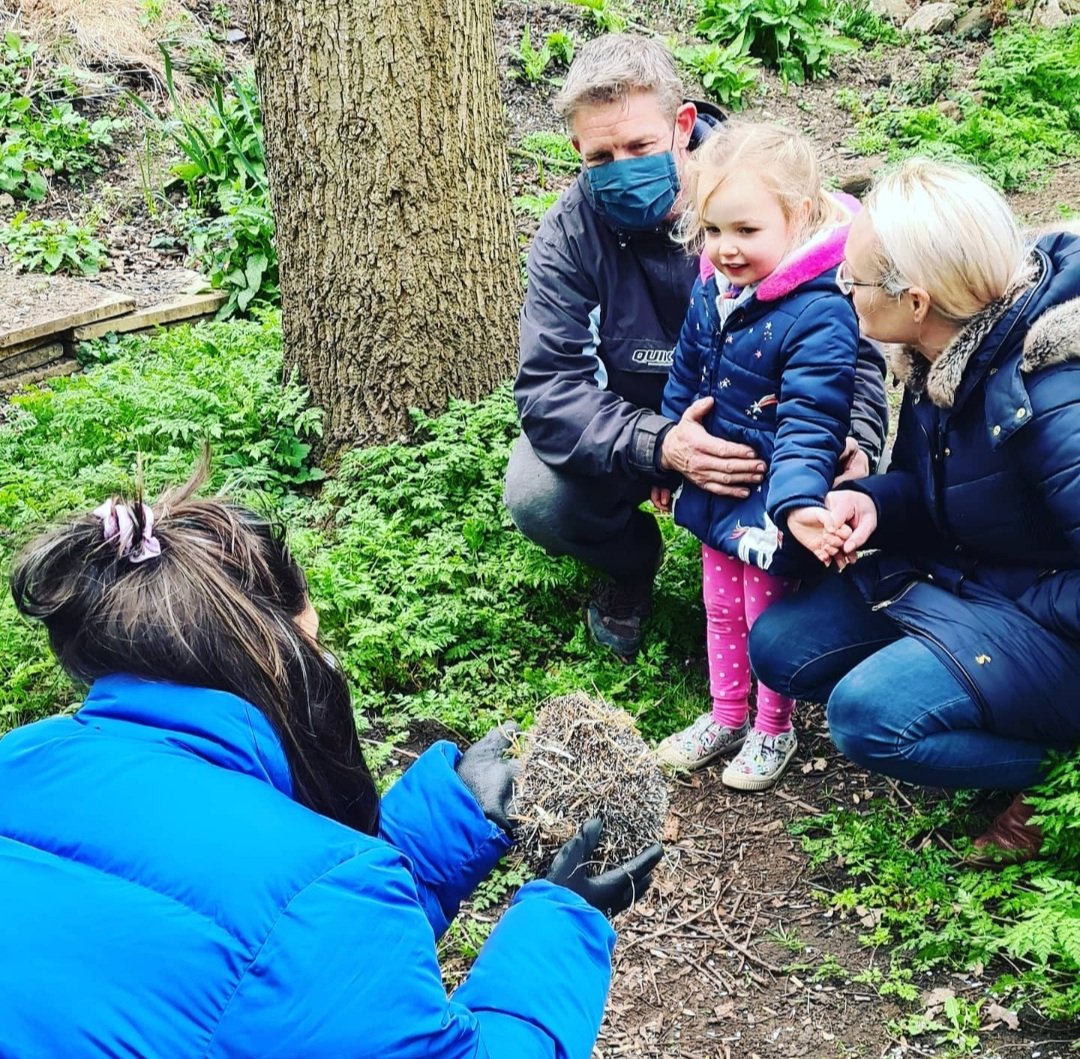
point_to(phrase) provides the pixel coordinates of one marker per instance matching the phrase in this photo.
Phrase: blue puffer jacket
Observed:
(166, 896)
(980, 510)
(781, 369)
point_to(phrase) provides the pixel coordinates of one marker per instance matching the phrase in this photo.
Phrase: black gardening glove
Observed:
(486, 770)
(612, 891)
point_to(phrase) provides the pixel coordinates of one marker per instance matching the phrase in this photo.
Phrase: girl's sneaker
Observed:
(702, 742)
(760, 762)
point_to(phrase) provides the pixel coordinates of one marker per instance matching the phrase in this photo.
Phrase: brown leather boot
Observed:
(1010, 839)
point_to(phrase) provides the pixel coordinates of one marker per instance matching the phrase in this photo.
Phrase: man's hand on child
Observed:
(853, 463)
(721, 467)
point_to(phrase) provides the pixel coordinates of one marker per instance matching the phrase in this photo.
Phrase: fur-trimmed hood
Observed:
(1052, 338)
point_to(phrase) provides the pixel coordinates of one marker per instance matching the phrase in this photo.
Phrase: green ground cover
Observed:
(439, 610)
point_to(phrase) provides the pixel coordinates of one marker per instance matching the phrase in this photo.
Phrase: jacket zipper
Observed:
(899, 595)
(924, 635)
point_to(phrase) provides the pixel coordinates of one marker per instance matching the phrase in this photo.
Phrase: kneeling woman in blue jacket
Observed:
(197, 862)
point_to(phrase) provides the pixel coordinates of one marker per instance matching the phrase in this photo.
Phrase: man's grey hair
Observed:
(609, 68)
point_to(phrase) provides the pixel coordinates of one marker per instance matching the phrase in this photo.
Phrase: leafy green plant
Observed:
(150, 11)
(554, 147)
(43, 132)
(535, 206)
(603, 14)
(1023, 116)
(231, 227)
(532, 62)
(236, 249)
(956, 1025)
(856, 20)
(53, 246)
(790, 36)
(936, 913)
(848, 99)
(561, 45)
(221, 142)
(726, 72)
(547, 150)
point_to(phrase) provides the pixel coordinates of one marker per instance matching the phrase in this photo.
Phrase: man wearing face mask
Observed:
(608, 288)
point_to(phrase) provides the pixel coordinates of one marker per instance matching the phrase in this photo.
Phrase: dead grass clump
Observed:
(110, 36)
(584, 758)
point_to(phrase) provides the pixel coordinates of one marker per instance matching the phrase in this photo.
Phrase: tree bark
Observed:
(386, 158)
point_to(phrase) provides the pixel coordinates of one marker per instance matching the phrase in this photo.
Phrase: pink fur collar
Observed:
(823, 252)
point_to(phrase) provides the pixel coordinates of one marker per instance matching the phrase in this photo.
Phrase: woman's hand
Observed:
(486, 770)
(614, 890)
(818, 531)
(858, 513)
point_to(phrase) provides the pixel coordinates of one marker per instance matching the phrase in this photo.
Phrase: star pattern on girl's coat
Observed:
(759, 406)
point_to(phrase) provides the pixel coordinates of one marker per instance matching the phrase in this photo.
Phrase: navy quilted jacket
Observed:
(782, 371)
(980, 510)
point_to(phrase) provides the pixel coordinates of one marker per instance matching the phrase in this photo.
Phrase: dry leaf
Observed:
(1000, 1014)
(935, 999)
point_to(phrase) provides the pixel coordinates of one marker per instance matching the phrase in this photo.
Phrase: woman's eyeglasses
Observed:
(845, 282)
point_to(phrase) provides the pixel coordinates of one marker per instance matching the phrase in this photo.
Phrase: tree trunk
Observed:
(386, 155)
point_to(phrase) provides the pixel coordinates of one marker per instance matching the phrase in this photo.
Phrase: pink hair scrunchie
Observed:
(118, 523)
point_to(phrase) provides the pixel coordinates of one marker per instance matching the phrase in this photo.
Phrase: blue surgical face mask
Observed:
(636, 193)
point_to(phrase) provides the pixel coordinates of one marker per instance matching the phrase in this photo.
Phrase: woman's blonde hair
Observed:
(940, 226)
(781, 157)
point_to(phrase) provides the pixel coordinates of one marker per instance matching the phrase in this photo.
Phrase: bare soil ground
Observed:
(730, 955)
(718, 961)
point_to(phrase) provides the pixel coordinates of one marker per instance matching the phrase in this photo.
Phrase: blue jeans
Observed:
(893, 707)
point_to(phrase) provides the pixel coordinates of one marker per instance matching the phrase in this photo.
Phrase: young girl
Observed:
(768, 350)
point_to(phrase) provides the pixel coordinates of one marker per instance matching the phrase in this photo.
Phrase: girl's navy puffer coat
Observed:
(979, 512)
(781, 370)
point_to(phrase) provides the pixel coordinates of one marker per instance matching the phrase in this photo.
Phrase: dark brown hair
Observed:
(216, 609)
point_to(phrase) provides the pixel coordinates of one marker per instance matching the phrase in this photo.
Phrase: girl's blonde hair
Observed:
(781, 157)
(940, 226)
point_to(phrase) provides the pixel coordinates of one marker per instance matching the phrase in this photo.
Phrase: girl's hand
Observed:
(819, 532)
(661, 498)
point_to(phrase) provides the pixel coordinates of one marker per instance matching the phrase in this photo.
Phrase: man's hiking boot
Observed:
(616, 613)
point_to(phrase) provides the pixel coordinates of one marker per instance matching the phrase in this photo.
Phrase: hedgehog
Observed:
(584, 758)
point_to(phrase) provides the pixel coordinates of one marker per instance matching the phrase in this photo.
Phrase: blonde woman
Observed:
(951, 656)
